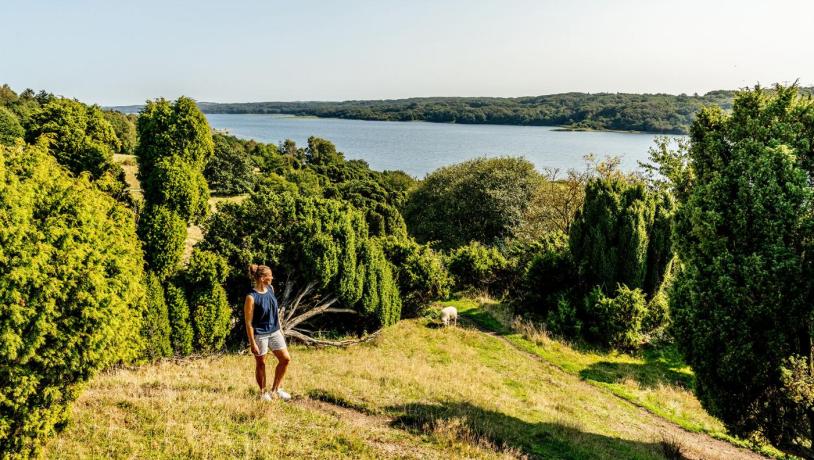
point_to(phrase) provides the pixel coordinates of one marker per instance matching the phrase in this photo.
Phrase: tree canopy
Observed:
(176, 129)
(229, 170)
(741, 302)
(10, 127)
(124, 125)
(480, 200)
(81, 138)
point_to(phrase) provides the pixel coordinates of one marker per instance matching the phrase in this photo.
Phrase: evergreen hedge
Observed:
(71, 289)
(305, 239)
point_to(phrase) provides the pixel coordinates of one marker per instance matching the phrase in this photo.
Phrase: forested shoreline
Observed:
(653, 113)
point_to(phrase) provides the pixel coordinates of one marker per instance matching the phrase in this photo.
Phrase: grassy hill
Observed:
(417, 391)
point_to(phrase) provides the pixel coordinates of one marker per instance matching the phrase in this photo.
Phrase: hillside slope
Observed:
(418, 391)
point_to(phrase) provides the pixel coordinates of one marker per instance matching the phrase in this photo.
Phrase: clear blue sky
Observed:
(116, 52)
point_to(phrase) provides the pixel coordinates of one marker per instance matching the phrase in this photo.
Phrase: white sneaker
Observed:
(265, 396)
(283, 394)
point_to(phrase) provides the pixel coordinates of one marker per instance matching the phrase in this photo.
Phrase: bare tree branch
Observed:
(295, 310)
(309, 314)
(331, 343)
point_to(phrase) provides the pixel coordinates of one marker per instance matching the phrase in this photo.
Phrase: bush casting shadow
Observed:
(661, 367)
(472, 424)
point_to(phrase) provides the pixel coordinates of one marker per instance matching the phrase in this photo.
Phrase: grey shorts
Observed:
(275, 341)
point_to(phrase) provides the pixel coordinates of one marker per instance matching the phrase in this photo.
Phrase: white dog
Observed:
(449, 314)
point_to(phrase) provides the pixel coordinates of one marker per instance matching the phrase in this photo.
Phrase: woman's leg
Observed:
(283, 358)
(260, 372)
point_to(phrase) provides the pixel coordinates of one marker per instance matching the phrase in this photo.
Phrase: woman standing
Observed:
(263, 330)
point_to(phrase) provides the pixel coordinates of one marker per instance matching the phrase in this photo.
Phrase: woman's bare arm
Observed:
(248, 313)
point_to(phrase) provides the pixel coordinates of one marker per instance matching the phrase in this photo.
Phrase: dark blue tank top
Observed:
(265, 319)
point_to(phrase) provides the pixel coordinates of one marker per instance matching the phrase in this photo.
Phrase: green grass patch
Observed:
(657, 379)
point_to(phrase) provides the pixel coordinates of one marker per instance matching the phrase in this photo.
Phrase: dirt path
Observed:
(694, 446)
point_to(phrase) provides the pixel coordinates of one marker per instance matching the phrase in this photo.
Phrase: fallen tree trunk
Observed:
(306, 304)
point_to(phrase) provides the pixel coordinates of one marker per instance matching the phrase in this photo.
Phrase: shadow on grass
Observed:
(661, 367)
(333, 398)
(466, 423)
(483, 321)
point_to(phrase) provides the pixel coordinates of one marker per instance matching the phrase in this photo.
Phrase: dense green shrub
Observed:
(741, 301)
(72, 290)
(211, 318)
(266, 157)
(113, 182)
(398, 182)
(476, 266)
(368, 195)
(563, 319)
(124, 125)
(174, 146)
(178, 310)
(380, 294)
(320, 171)
(306, 181)
(616, 321)
(657, 320)
(658, 313)
(156, 325)
(10, 127)
(546, 277)
(81, 138)
(163, 234)
(618, 242)
(177, 187)
(621, 235)
(209, 307)
(322, 152)
(276, 184)
(420, 273)
(175, 143)
(22, 106)
(229, 170)
(378, 195)
(480, 200)
(83, 141)
(305, 239)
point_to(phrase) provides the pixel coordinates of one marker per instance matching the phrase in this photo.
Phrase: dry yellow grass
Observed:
(128, 163)
(417, 391)
(216, 200)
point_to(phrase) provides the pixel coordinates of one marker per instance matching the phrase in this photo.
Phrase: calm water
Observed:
(418, 148)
